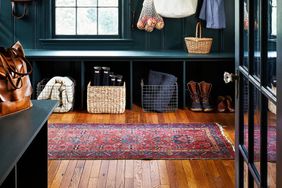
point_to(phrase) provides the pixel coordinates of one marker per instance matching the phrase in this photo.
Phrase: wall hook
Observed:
(25, 11)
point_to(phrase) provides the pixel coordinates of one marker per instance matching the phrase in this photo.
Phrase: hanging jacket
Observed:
(213, 13)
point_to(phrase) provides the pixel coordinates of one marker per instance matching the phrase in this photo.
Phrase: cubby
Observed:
(211, 72)
(134, 66)
(142, 68)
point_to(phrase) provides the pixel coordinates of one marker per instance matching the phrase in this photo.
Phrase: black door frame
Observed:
(241, 155)
(279, 96)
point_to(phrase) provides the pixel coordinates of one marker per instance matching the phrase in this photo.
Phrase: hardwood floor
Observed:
(143, 173)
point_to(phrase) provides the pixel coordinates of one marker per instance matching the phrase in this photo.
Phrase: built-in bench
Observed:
(134, 65)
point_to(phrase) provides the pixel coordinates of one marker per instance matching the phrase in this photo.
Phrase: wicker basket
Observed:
(106, 99)
(197, 44)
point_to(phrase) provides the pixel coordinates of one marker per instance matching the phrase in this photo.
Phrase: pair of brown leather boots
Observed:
(200, 95)
(225, 104)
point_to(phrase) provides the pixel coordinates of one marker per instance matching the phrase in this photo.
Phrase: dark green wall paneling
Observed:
(33, 28)
(6, 24)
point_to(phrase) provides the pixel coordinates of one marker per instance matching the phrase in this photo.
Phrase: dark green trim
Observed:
(166, 55)
(82, 44)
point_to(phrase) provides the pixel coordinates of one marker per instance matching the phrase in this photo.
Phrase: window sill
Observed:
(84, 44)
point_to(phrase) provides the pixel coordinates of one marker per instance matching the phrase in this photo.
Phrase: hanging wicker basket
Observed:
(197, 44)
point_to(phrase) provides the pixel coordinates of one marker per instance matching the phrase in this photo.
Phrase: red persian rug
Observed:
(138, 141)
(271, 143)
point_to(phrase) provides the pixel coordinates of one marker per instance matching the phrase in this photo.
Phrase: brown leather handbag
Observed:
(15, 86)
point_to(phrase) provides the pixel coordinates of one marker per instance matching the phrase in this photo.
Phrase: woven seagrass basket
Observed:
(106, 99)
(197, 44)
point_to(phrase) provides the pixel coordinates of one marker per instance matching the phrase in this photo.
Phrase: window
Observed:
(86, 17)
(274, 17)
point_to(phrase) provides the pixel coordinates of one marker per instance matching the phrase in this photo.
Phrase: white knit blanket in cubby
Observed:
(61, 89)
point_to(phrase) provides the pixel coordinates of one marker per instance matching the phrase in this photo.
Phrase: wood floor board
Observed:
(120, 174)
(68, 174)
(163, 173)
(180, 174)
(200, 174)
(171, 173)
(94, 174)
(112, 172)
(146, 173)
(52, 171)
(138, 174)
(103, 174)
(129, 174)
(83, 183)
(189, 174)
(155, 174)
(60, 174)
(77, 174)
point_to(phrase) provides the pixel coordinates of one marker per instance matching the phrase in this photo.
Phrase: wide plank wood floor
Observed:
(143, 173)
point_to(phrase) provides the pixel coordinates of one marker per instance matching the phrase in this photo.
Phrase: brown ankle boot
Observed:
(221, 106)
(194, 94)
(229, 103)
(205, 90)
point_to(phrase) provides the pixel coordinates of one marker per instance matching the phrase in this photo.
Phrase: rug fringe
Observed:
(225, 136)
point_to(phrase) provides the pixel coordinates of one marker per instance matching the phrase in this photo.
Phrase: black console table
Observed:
(24, 147)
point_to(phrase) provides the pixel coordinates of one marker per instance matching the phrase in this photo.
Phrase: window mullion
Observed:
(97, 10)
(76, 17)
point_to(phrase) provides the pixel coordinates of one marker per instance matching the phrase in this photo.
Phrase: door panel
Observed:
(246, 112)
(257, 39)
(246, 182)
(256, 100)
(245, 36)
(257, 130)
(272, 47)
(271, 164)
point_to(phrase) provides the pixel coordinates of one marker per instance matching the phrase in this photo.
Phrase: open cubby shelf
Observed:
(134, 66)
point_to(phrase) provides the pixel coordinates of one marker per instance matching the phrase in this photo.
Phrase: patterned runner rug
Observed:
(271, 143)
(138, 141)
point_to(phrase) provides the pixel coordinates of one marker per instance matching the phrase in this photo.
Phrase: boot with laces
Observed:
(195, 97)
(205, 90)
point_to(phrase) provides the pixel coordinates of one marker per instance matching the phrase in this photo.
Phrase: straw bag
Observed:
(197, 44)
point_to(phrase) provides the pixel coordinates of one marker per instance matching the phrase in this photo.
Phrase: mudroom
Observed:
(140, 93)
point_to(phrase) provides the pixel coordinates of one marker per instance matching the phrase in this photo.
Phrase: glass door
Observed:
(256, 128)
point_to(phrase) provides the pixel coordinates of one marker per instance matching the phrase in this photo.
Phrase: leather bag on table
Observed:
(15, 86)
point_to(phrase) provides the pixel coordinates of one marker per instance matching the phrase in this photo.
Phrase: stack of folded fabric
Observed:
(61, 89)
